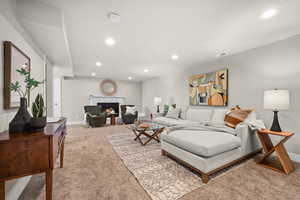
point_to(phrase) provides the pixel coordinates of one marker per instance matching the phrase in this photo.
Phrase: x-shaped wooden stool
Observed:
(155, 136)
(286, 165)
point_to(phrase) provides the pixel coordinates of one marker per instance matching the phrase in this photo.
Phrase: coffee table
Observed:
(149, 129)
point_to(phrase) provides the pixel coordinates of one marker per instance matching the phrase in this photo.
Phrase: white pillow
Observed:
(183, 112)
(173, 113)
(199, 115)
(219, 116)
(130, 110)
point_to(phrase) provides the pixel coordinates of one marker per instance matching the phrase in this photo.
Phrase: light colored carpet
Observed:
(94, 171)
(160, 176)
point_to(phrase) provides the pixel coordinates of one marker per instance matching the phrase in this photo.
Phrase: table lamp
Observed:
(157, 102)
(276, 100)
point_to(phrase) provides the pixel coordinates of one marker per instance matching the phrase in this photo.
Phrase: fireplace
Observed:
(108, 105)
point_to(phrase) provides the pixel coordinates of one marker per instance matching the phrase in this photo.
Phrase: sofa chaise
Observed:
(207, 151)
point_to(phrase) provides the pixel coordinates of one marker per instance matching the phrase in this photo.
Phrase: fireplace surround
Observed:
(107, 105)
(105, 101)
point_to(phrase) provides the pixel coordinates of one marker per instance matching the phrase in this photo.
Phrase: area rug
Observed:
(94, 171)
(161, 177)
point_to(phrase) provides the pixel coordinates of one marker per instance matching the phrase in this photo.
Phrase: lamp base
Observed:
(157, 108)
(275, 125)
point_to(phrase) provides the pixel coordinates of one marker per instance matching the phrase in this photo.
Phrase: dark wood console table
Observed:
(25, 154)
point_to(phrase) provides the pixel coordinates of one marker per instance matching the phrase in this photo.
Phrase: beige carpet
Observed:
(94, 171)
(160, 176)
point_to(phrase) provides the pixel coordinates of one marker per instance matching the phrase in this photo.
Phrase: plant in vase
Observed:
(38, 120)
(21, 121)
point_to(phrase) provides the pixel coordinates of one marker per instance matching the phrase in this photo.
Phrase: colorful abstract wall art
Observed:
(209, 89)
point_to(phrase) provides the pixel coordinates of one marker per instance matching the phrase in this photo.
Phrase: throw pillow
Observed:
(183, 112)
(173, 113)
(236, 116)
(130, 110)
(166, 108)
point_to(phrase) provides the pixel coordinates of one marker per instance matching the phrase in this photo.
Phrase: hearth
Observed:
(109, 105)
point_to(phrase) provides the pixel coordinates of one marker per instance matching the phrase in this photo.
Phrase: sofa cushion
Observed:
(219, 116)
(172, 122)
(199, 115)
(202, 143)
(173, 113)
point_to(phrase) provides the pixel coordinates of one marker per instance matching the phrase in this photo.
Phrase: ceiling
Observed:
(72, 32)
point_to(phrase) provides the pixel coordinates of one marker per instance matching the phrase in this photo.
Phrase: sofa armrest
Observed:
(248, 137)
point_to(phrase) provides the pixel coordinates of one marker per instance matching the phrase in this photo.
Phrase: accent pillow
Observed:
(236, 116)
(173, 113)
(183, 112)
(130, 110)
(219, 116)
(166, 108)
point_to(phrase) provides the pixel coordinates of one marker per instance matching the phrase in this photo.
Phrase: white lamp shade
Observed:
(277, 99)
(157, 101)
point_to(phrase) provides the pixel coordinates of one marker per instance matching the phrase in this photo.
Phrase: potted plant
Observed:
(38, 120)
(21, 121)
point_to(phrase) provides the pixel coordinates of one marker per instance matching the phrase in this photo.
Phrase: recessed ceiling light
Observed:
(222, 54)
(98, 64)
(146, 70)
(114, 17)
(110, 41)
(93, 74)
(130, 78)
(269, 13)
(174, 57)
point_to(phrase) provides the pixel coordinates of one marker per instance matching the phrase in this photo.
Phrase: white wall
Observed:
(8, 32)
(250, 73)
(76, 92)
(49, 88)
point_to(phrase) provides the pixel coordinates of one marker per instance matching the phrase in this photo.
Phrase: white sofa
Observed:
(205, 151)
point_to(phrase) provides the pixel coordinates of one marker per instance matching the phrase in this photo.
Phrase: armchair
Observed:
(94, 116)
(128, 118)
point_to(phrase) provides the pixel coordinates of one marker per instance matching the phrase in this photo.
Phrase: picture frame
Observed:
(14, 58)
(209, 89)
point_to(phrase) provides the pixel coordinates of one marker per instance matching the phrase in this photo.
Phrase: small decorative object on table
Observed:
(22, 120)
(285, 164)
(38, 121)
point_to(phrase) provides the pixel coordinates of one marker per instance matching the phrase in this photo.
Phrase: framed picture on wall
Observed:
(209, 89)
(14, 59)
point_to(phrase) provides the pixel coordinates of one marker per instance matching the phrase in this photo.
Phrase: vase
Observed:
(38, 123)
(21, 122)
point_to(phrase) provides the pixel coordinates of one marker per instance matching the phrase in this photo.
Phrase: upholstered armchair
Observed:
(94, 116)
(128, 118)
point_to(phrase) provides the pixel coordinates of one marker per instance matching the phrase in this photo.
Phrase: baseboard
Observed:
(75, 122)
(295, 157)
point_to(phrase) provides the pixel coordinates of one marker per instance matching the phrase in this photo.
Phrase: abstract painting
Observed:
(209, 88)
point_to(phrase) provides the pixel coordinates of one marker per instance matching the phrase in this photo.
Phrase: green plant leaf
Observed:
(23, 71)
(15, 86)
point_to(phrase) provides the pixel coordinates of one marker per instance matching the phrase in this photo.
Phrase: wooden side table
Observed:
(284, 163)
(24, 154)
(112, 118)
